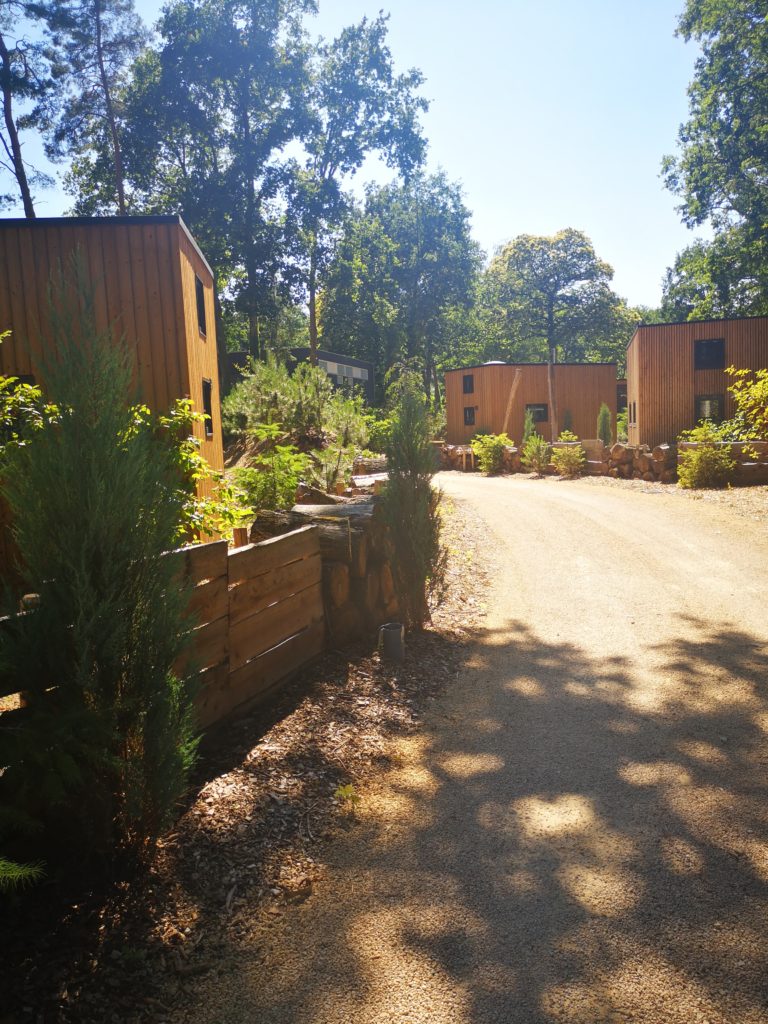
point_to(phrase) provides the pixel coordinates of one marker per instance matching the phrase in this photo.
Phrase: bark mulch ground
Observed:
(271, 790)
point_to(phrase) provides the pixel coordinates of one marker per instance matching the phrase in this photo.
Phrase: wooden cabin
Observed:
(477, 398)
(676, 373)
(150, 283)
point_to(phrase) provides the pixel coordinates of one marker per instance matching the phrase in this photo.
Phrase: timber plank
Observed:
(209, 644)
(260, 632)
(257, 559)
(254, 595)
(204, 561)
(209, 600)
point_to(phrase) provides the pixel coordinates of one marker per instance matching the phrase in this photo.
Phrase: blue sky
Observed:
(550, 114)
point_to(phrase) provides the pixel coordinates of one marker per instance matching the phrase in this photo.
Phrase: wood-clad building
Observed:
(676, 373)
(477, 398)
(151, 284)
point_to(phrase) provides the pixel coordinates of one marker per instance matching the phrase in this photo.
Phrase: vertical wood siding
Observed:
(143, 280)
(662, 379)
(580, 389)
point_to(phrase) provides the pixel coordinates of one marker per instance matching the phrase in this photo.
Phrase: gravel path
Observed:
(580, 833)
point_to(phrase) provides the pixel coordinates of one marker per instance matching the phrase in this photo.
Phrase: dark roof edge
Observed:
(83, 222)
(706, 320)
(488, 366)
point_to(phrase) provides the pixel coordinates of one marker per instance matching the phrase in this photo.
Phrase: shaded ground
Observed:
(580, 833)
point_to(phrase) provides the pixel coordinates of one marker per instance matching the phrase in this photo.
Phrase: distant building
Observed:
(676, 373)
(344, 371)
(477, 398)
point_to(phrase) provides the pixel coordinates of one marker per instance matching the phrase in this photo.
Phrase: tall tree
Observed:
(554, 294)
(404, 275)
(359, 106)
(29, 67)
(100, 39)
(211, 112)
(721, 172)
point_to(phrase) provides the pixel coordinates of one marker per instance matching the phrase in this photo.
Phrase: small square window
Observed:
(709, 407)
(540, 412)
(469, 416)
(208, 407)
(200, 298)
(709, 354)
(469, 383)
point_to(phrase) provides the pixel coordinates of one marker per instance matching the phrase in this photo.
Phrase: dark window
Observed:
(540, 413)
(208, 407)
(469, 384)
(200, 296)
(469, 416)
(709, 354)
(709, 407)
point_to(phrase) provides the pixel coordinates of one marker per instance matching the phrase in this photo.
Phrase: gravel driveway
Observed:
(580, 833)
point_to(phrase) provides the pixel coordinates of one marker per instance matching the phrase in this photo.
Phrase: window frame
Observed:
(208, 408)
(701, 361)
(719, 398)
(202, 321)
(533, 406)
(468, 384)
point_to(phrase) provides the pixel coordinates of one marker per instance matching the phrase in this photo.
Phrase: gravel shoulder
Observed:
(578, 830)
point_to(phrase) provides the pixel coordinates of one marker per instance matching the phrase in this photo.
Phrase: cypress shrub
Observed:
(411, 504)
(101, 753)
(604, 424)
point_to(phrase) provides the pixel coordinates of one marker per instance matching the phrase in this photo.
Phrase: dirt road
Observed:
(580, 834)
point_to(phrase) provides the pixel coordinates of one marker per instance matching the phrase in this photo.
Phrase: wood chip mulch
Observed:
(269, 795)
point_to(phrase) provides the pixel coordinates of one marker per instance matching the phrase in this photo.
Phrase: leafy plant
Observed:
(604, 424)
(529, 427)
(271, 480)
(750, 395)
(710, 463)
(347, 796)
(571, 460)
(410, 503)
(489, 451)
(379, 432)
(622, 426)
(535, 454)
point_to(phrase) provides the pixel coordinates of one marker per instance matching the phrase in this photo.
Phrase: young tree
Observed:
(96, 500)
(604, 424)
(99, 39)
(358, 107)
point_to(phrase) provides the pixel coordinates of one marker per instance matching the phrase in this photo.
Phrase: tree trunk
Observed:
(313, 304)
(13, 135)
(552, 349)
(117, 155)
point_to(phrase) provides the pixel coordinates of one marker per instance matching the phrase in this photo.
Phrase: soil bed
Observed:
(265, 802)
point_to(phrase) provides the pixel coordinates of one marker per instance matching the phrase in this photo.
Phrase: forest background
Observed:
(230, 113)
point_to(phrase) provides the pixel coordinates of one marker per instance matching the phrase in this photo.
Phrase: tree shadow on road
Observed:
(570, 840)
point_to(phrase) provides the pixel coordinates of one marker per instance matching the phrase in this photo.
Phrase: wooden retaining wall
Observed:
(260, 609)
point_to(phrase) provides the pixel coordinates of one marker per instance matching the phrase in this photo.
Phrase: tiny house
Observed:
(676, 373)
(151, 284)
(479, 399)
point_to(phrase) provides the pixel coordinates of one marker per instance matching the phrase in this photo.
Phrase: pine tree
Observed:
(604, 424)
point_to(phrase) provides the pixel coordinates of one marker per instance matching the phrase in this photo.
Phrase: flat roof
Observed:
(85, 222)
(486, 366)
(706, 320)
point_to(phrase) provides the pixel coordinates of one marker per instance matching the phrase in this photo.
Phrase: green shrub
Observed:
(604, 425)
(569, 462)
(750, 395)
(410, 503)
(708, 465)
(622, 426)
(529, 427)
(535, 454)
(101, 753)
(271, 480)
(489, 451)
(379, 433)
